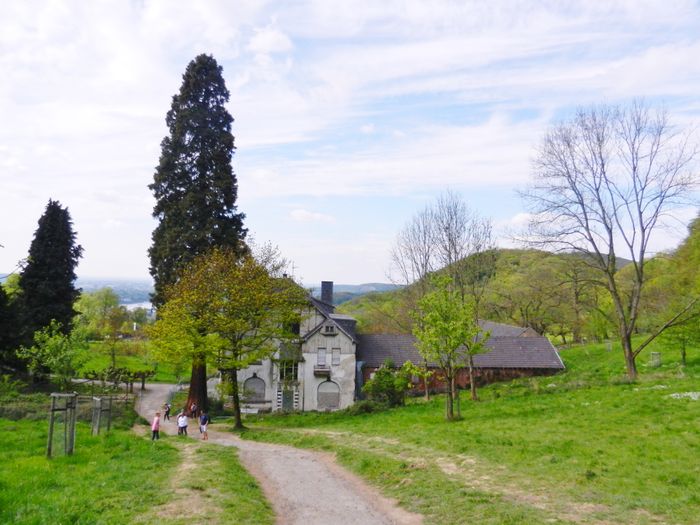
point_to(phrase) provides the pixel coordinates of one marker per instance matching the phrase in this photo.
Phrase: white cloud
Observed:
(301, 215)
(269, 40)
(465, 88)
(367, 129)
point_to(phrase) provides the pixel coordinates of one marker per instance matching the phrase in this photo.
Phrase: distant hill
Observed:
(343, 293)
(130, 291)
(136, 291)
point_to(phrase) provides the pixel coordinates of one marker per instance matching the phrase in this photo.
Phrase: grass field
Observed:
(121, 477)
(134, 357)
(110, 479)
(584, 446)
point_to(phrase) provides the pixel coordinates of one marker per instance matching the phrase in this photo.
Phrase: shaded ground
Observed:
(304, 487)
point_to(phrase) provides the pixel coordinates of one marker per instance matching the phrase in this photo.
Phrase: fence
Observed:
(67, 409)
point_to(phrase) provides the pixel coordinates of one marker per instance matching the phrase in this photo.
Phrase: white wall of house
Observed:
(337, 354)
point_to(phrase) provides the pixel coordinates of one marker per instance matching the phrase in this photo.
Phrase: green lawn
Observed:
(110, 479)
(120, 477)
(581, 446)
(134, 357)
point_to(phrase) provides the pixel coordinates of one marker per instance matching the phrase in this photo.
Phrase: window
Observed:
(330, 329)
(335, 359)
(321, 357)
(288, 370)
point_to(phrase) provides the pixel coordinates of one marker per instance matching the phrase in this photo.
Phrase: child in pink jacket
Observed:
(155, 427)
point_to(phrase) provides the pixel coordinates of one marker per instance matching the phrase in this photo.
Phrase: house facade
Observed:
(327, 368)
(317, 374)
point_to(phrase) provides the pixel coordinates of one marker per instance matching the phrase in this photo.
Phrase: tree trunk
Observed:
(198, 385)
(472, 383)
(683, 353)
(426, 381)
(455, 397)
(449, 405)
(629, 357)
(238, 422)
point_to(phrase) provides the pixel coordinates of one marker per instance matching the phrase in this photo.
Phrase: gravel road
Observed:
(304, 487)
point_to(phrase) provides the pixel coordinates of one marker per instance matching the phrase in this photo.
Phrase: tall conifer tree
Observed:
(47, 283)
(194, 184)
(195, 187)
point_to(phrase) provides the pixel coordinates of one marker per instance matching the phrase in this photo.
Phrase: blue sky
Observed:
(350, 116)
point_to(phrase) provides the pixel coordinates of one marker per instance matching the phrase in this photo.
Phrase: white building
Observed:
(317, 374)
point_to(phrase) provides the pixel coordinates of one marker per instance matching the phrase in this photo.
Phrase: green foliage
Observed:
(447, 333)
(389, 384)
(47, 281)
(100, 314)
(61, 354)
(10, 386)
(229, 312)
(8, 333)
(194, 185)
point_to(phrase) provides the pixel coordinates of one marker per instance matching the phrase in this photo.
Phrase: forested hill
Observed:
(346, 292)
(556, 294)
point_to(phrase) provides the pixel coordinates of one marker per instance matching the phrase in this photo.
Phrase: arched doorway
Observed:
(328, 396)
(254, 390)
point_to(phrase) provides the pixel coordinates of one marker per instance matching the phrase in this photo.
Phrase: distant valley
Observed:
(138, 291)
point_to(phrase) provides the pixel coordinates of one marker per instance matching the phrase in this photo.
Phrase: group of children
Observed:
(182, 421)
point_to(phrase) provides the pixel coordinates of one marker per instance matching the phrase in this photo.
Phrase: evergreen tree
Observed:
(47, 283)
(194, 184)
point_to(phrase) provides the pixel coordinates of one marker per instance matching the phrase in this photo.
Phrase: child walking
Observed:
(204, 421)
(182, 424)
(155, 427)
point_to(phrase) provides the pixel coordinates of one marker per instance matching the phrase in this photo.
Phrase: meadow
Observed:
(135, 356)
(584, 446)
(119, 477)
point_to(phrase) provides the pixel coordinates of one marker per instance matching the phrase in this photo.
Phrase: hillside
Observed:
(343, 293)
(555, 294)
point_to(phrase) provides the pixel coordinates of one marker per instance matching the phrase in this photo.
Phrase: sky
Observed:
(350, 117)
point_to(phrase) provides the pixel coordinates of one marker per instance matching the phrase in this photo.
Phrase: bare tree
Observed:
(413, 255)
(604, 181)
(448, 235)
(464, 244)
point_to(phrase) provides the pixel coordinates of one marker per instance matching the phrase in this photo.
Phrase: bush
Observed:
(389, 385)
(365, 406)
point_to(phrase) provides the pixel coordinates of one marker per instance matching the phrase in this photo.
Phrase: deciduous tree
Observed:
(603, 183)
(56, 352)
(228, 311)
(448, 334)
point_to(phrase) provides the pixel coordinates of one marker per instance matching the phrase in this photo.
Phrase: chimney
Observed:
(327, 292)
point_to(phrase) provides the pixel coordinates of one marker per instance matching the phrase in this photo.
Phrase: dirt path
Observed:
(477, 475)
(304, 487)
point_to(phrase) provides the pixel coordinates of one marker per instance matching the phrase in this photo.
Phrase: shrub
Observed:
(388, 386)
(365, 406)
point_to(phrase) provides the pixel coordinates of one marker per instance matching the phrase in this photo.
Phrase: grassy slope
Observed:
(99, 359)
(119, 478)
(109, 479)
(532, 449)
